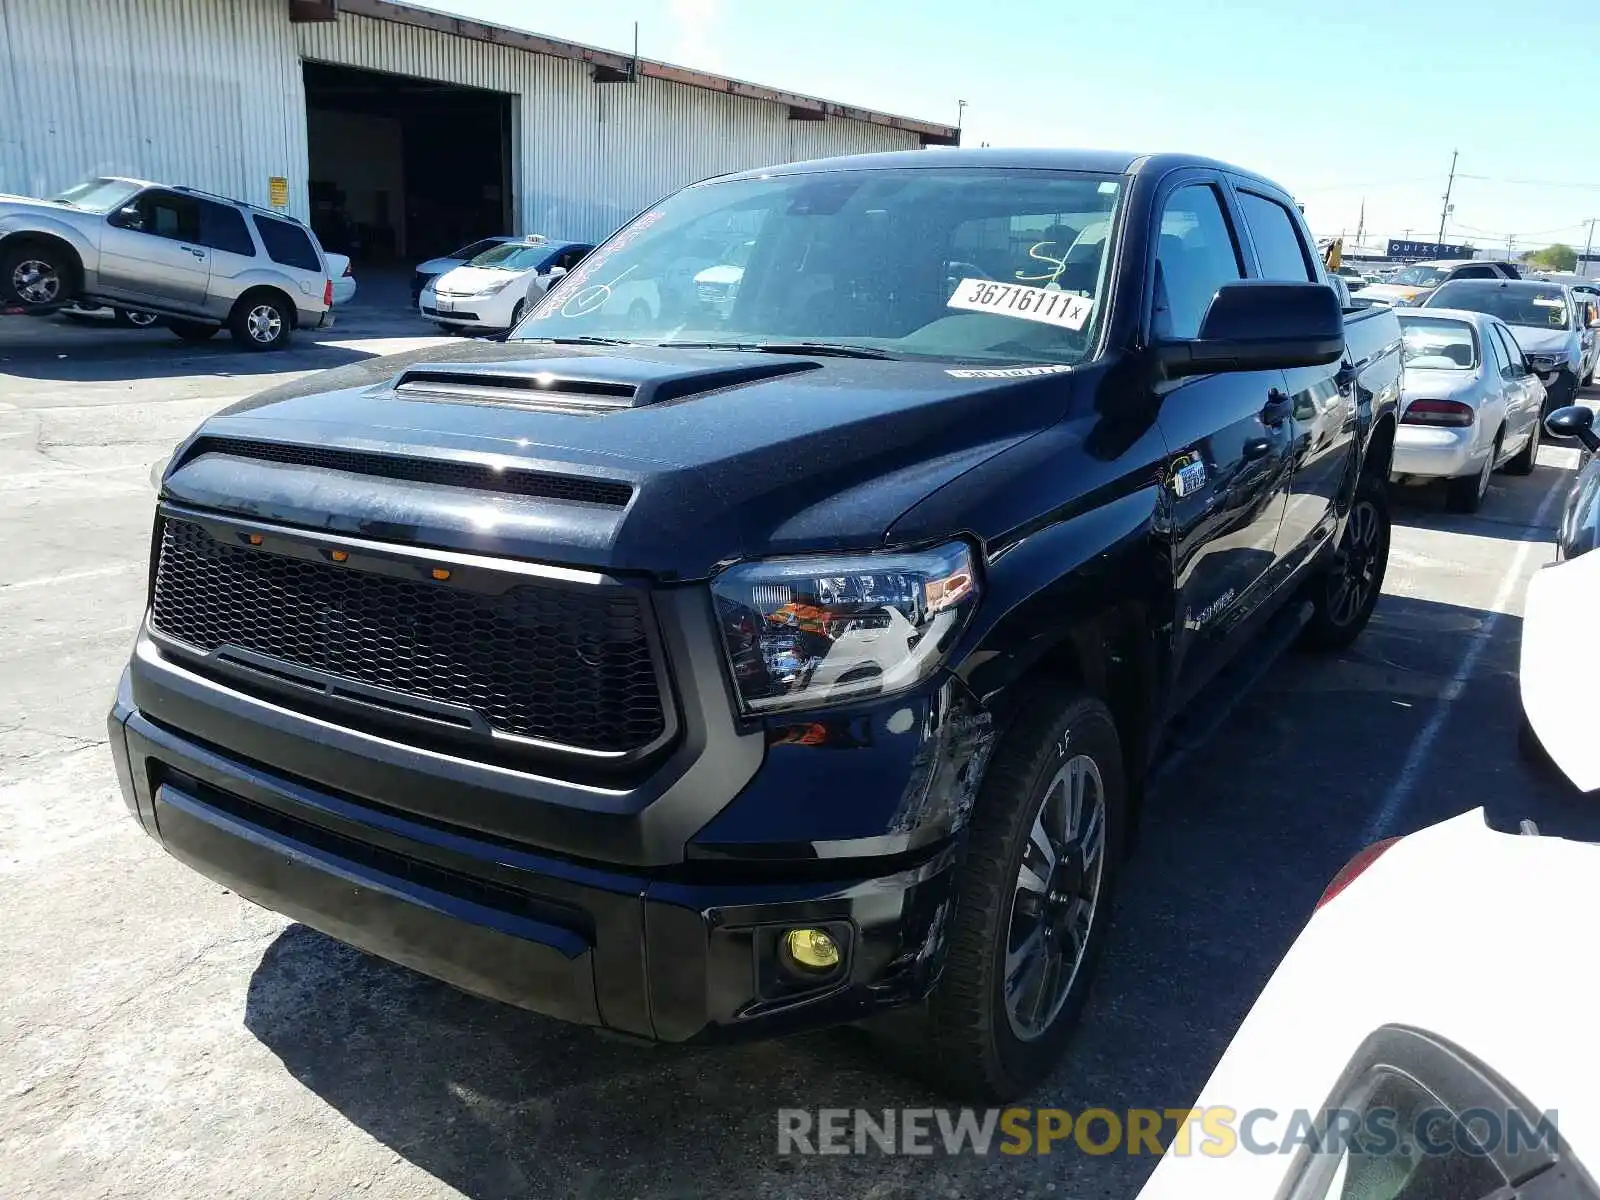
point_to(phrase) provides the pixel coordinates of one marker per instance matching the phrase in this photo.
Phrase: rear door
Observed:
(1228, 433)
(233, 252)
(157, 255)
(1523, 391)
(1323, 401)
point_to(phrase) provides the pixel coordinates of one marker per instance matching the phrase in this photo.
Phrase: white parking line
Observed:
(1400, 791)
(70, 576)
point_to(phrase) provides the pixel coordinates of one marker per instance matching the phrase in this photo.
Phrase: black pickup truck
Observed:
(747, 647)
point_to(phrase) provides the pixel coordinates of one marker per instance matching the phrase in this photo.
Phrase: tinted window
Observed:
(287, 244)
(169, 215)
(1278, 245)
(1475, 273)
(1196, 256)
(1542, 306)
(222, 227)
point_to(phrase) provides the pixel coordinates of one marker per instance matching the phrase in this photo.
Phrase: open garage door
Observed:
(404, 168)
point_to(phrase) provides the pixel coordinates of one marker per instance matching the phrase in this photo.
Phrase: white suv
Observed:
(198, 260)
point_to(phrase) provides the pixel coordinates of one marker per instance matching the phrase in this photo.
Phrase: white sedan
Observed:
(1429, 1036)
(490, 292)
(1471, 403)
(344, 279)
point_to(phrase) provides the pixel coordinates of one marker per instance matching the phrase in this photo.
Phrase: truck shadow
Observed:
(1235, 848)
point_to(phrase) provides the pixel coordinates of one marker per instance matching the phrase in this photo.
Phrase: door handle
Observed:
(195, 250)
(1277, 408)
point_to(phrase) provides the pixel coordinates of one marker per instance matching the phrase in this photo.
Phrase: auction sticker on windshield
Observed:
(1046, 305)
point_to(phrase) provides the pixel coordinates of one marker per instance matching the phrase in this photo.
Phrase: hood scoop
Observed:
(593, 383)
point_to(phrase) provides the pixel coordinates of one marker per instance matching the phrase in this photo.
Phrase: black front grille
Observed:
(454, 315)
(610, 492)
(572, 665)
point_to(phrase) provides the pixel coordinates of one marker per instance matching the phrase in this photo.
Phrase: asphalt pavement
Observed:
(161, 1038)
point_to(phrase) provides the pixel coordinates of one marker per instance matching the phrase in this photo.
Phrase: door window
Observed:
(169, 215)
(1279, 247)
(1499, 355)
(1475, 273)
(287, 243)
(1196, 255)
(222, 228)
(1512, 352)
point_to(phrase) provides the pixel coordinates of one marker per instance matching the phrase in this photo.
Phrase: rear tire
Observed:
(1345, 593)
(261, 321)
(1522, 463)
(193, 331)
(1465, 494)
(1024, 939)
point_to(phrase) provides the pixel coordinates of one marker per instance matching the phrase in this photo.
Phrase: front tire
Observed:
(39, 276)
(1033, 900)
(1344, 595)
(261, 322)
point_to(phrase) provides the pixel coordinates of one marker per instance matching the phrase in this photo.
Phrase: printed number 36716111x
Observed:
(1047, 305)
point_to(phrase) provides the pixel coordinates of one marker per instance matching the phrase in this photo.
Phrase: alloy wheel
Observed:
(35, 281)
(1357, 574)
(264, 323)
(1056, 898)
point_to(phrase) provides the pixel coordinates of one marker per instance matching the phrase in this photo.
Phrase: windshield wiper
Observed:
(581, 341)
(833, 349)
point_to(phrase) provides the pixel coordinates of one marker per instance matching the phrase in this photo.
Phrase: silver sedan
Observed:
(1471, 403)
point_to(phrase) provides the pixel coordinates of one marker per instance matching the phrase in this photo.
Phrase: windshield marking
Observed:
(1005, 372)
(572, 282)
(1050, 306)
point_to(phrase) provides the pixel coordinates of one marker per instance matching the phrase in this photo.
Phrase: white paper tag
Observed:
(1045, 305)
(1004, 372)
(1547, 302)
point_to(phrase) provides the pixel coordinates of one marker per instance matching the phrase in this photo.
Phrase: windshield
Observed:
(472, 249)
(1418, 277)
(1513, 303)
(97, 195)
(1438, 343)
(950, 263)
(510, 256)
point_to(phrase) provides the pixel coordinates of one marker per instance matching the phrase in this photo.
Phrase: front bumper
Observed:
(468, 312)
(1434, 453)
(1560, 387)
(355, 837)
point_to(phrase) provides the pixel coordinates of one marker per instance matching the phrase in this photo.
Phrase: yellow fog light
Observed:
(811, 949)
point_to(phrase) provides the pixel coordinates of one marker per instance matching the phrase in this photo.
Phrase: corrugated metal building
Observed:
(384, 112)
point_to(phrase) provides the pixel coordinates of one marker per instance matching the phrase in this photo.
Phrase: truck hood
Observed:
(8, 201)
(697, 457)
(1391, 292)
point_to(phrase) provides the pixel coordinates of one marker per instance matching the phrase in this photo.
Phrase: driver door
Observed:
(150, 250)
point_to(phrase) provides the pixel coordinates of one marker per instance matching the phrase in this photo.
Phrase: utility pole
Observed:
(1448, 188)
(961, 112)
(1583, 262)
(1361, 221)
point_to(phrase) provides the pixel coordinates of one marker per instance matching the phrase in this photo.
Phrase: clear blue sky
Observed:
(1338, 101)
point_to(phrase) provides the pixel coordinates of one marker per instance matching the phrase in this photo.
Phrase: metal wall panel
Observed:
(201, 92)
(210, 93)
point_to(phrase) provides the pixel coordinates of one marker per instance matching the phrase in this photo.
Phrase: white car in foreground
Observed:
(1439, 1007)
(490, 292)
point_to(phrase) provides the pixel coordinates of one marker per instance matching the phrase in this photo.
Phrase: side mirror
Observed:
(1261, 325)
(1573, 421)
(556, 273)
(127, 218)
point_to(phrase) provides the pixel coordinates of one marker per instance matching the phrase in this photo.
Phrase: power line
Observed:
(1531, 182)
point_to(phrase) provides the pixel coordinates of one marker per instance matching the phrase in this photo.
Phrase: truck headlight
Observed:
(825, 629)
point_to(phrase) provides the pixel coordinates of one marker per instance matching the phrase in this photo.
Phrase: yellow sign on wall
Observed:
(278, 190)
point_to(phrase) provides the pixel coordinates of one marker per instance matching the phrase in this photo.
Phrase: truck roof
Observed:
(1110, 162)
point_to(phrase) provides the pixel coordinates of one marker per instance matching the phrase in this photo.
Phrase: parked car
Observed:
(1557, 662)
(198, 260)
(797, 665)
(1410, 285)
(126, 318)
(1353, 278)
(1545, 319)
(426, 272)
(1416, 1080)
(1471, 403)
(491, 291)
(344, 278)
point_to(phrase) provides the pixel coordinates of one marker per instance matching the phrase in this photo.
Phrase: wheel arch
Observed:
(46, 237)
(273, 290)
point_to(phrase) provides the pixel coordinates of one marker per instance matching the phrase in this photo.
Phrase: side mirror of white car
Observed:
(556, 273)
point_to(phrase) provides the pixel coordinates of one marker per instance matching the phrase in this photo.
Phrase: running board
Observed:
(1213, 706)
